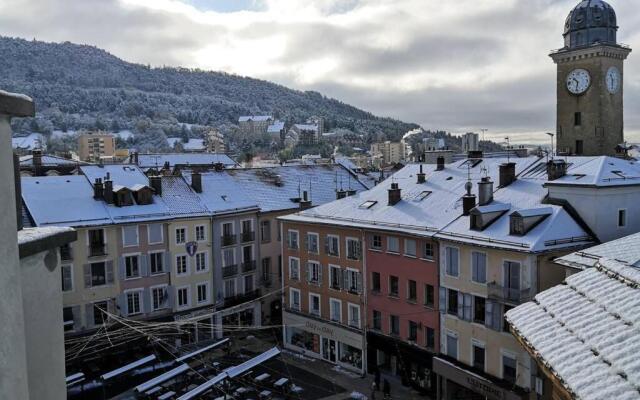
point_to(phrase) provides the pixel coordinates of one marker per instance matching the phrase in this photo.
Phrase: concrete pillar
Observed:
(13, 359)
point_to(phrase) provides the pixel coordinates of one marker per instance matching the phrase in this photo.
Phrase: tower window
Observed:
(579, 147)
(622, 218)
(577, 119)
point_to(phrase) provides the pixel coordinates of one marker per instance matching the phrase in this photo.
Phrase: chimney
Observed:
(108, 191)
(98, 189)
(196, 182)
(156, 184)
(475, 154)
(18, 185)
(422, 178)
(440, 163)
(37, 157)
(507, 174)
(351, 192)
(218, 167)
(556, 169)
(305, 202)
(485, 191)
(394, 194)
(468, 200)
(341, 194)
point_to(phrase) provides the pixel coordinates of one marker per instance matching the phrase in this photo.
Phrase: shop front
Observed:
(455, 382)
(325, 341)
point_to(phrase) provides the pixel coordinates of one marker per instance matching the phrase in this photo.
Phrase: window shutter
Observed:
(467, 307)
(359, 282)
(305, 271)
(146, 300)
(460, 305)
(166, 263)
(109, 271)
(121, 268)
(86, 268)
(497, 316)
(442, 300)
(170, 291)
(320, 274)
(359, 250)
(121, 304)
(77, 318)
(144, 264)
(89, 314)
(345, 279)
(488, 313)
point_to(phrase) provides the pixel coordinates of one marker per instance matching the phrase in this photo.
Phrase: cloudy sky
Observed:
(457, 65)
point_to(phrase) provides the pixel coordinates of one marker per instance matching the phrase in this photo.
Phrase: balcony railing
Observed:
(249, 266)
(241, 298)
(248, 236)
(509, 295)
(229, 240)
(97, 250)
(266, 282)
(229, 270)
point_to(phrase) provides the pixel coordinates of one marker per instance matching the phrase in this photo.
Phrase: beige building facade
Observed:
(94, 146)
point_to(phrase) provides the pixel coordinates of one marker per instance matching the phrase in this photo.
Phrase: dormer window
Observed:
(142, 194)
(122, 196)
(516, 225)
(482, 216)
(523, 221)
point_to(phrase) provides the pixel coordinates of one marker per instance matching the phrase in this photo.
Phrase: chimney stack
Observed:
(468, 200)
(218, 167)
(341, 194)
(440, 163)
(351, 192)
(394, 194)
(305, 202)
(422, 178)
(196, 182)
(98, 189)
(556, 169)
(108, 191)
(36, 157)
(156, 184)
(507, 174)
(485, 191)
(475, 154)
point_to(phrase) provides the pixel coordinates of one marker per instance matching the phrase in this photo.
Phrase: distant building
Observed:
(255, 124)
(391, 152)
(470, 142)
(305, 134)
(215, 141)
(23, 144)
(95, 146)
(38, 164)
(277, 131)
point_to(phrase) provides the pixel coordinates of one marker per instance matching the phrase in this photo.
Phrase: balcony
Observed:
(249, 266)
(508, 295)
(229, 240)
(241, 298)
(248, 236)
(97, 250)
(229, 270)
(266, 282)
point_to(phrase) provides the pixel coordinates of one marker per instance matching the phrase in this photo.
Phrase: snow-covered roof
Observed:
(183, 159)
(626, 249)
(221, 193)
(194, 144)
(599, 171)
(171, 141)
(29, 142)
(180, 199)
(276, 127)
(307, 127)
(587, 331)
(126, 175)
(27, 161)
(257, 118)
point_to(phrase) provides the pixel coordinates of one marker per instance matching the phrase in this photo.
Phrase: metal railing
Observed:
(248, 266)
(241, 298)
(229, 270)
(248, 236)
(502, 293)
(228, 240)
(97, 250)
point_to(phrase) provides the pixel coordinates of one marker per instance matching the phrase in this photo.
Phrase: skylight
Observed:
(423, 195)
(368, 204)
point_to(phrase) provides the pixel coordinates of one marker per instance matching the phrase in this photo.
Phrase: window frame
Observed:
(473, 275)
(291, 277)
(317, 249)
(333, 239)
(175, 235)
(151, 290)
(137, 231)
(188, 297)
(162, 258)
(290, 233)
(291, 297)
(161, 233)
(389, 247)
(350, 307)
(70, 268)
(622, 215)
(140, 293)
(315, 296)
(425, 256)
(373, 242)
(395, 294)
(415, 248)
(447, 260)
(204, 233)
(332, 302)
(207, 292)
(186, 264)
(352, 257)
(126, 257)
(206, 262)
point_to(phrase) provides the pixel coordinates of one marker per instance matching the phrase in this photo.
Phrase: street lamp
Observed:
(551, 135)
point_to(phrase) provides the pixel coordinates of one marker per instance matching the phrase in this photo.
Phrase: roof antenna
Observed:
(299, 187)
(508, 148)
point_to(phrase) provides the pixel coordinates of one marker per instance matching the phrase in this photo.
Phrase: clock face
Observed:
(612, 79)
(578, 81)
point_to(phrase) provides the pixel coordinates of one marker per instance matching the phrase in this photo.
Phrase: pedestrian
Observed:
(374, 387)
(377, 378)
(387, 389)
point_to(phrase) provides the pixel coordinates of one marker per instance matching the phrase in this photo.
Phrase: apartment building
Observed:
(470, 142)
(95, 146)
(255, 124)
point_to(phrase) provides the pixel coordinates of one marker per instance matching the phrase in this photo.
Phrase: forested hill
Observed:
(78, 86)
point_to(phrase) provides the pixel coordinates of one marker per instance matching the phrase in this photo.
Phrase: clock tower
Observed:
(589, 83)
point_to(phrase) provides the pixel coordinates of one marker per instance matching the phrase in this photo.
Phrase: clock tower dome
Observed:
(589, 82)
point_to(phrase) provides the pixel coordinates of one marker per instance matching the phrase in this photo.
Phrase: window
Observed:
(96, 242)
(452, 302)
(478, 356)
(202, 292)
(413, 331)
(509, 368)
(181, 235)
(479, 305)
(266, 269)
(335, 309)
(376, 242)
(181, 265)
(132, 269)
(292, 240)
(577, 119)
(200, 235)
(377, 320)
(98, 275)
(622, 218)
(229, 288)
(429, 295)
(493, 315)
(412, 291)
(130, 236)
(452, 345)
(335, 276)
(294, 298)
(451, 260)
(375, 282)
(410, 247)
(314, 304)
(183, 297)
(155, 233)
(428, 251)
(430, 338)
(479, 267)
(393, 245)
(393, 286)
(367, 204)
(516, 225)
(228, 257)
(465, 306)
(314, 272)
(67, 318)
(156, 263)
(394, 324)
(579, 147)
(133, 302)
(265, 231)
(67, 278)
(228, 238)
(354, 251)
(354, 315)
(294, 268)
(353, 281)
(248, 283)
(332, 245)
(247, 255)
(247, 226)
(201, 262)
(505, 323)
(312, 243)
(158, 297)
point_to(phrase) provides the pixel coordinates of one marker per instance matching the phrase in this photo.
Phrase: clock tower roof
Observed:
(590, 22)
